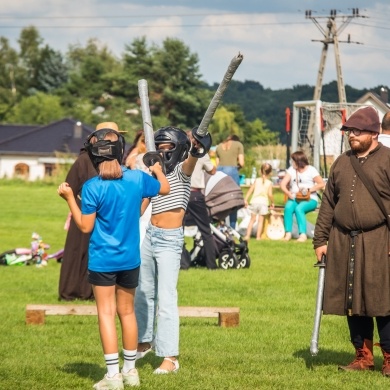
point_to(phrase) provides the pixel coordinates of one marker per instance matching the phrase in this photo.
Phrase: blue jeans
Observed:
(156, 305)
(233, 173)
(300, 209)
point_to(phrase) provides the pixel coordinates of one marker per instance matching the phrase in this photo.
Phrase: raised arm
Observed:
(84, 222)
(159, 174)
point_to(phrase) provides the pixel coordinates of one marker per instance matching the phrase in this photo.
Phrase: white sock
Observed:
(128, 359)
(112, 363)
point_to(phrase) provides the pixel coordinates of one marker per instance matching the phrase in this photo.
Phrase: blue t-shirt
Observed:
(114, 243)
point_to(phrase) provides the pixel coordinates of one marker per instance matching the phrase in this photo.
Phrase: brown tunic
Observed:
(73, 282)
(347, 205)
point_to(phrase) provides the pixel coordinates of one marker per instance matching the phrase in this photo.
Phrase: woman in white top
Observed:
(300, 176)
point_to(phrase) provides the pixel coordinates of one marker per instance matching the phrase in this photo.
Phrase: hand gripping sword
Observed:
(200, 133)
(317, 316)
(152, 156)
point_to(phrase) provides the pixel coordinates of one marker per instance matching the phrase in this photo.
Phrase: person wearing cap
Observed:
(384, 136)
(353, 233)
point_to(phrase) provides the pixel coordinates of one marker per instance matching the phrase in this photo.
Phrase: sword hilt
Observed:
(150, 158)
(321, 264)
(205, 141)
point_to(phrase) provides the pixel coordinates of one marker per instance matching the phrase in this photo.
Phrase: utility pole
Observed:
(331, 34)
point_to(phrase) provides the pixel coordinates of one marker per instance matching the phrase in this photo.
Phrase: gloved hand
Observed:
(201, 145)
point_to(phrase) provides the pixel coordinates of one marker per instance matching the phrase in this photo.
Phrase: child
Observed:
(262, 197)
(161, 252)
(109, 202)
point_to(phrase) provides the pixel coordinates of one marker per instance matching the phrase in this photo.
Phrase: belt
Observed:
(193, 189)
(351, 264)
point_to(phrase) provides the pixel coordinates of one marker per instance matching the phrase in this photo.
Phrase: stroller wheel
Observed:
(244, 260)
(228, 260)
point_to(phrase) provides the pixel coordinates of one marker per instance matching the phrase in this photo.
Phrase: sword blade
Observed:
(204, 124)
(318, 311)
(146, 117)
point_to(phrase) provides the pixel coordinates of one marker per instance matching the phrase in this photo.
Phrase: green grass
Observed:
(268, 350)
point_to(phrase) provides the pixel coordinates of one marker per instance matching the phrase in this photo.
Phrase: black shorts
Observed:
(125, 279)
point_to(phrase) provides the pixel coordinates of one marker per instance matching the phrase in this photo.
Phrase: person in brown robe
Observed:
(353, 233)
(73, 282)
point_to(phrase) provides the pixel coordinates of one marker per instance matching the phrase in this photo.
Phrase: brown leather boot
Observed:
(386, 361)
(364, 359)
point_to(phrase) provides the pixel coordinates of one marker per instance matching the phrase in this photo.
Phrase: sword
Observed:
(200, 133)
(152, 156)
(318, 312)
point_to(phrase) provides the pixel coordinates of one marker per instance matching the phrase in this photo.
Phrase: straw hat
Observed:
(109, 125)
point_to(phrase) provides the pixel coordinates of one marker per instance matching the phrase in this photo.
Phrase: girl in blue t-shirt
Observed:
(109, 201)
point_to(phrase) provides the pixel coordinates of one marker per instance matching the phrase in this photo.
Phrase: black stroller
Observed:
(222, 196)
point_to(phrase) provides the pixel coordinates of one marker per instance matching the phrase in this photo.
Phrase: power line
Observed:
(172, 25)
(371, 26)
(124, 16)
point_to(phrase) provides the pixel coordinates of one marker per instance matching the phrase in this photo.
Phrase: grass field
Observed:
(268, 350)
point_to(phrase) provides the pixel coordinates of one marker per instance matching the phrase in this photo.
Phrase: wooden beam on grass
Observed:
(227, 316)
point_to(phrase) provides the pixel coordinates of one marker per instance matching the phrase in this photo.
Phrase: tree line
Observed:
(39, 84)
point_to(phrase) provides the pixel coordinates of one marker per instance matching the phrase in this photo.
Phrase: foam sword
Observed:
(318, 311)
(152, 156)
(200, 133)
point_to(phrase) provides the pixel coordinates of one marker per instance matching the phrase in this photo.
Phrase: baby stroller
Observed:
(222, 196)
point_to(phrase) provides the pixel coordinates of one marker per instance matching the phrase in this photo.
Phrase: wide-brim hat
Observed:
(366, 118)
(109, 125)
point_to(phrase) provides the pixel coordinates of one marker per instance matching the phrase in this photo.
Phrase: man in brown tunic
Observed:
(353, 233)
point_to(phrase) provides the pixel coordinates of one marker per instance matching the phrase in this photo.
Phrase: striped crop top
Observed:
(179, 194)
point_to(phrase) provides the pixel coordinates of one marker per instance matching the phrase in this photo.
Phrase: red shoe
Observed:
(386, 362)
(364, 359)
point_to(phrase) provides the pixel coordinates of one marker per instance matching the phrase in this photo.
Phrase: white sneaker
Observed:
(110, 383)
(302, 238)
(131, 378)
(287, 237)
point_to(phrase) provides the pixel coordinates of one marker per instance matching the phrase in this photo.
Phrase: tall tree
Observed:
(8, 76)
(137, 63)
(52, 72)
(88, 67)
(178, 95)
(30, 56)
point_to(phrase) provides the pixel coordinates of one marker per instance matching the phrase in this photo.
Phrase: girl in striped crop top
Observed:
(161, 253)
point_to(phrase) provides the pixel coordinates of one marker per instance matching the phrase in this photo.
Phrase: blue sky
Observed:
(274, 36)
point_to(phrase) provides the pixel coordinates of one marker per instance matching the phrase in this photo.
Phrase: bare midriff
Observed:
(169, 219)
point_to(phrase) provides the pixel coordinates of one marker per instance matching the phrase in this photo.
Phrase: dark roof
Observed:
(376, 98)
(58, 136)
(10, 131)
